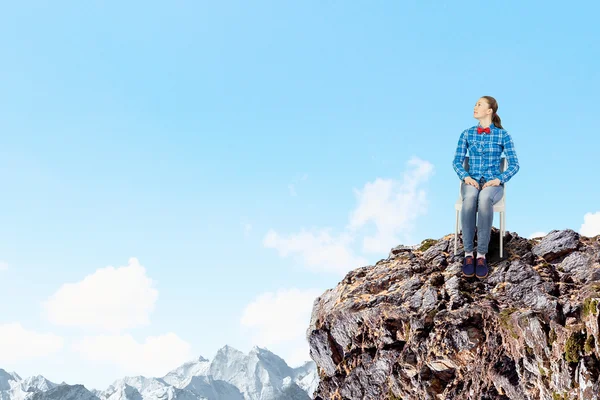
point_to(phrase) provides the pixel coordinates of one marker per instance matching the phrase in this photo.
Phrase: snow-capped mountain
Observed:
(64, 392)
(231, 375)
(258, 375)
(142, 388)
(36, 383)
(307, 377)
(208, 388)
(12, 387)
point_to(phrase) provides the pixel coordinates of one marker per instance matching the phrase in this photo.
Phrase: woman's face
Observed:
(482, 108)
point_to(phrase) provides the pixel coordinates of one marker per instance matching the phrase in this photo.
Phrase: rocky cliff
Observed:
(411, 327)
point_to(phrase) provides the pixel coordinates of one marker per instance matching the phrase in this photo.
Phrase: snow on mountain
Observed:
(259, 375)
(6, 378)
(231, 375)
(14, 393)
(36, 383)
(181, 376)
(12, 387)
(306, 377)
(291, 391)
(120, 391)
(65, 392)
(208, 388)
(142, 388)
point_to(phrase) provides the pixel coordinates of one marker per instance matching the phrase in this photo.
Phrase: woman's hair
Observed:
(494, 106)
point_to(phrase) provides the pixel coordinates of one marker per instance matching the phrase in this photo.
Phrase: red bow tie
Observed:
(480, 129)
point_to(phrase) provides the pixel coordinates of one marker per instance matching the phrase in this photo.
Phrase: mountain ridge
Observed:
(231, 375)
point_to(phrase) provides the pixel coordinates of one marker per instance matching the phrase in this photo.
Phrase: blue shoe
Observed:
(469, 266)
(481, 270)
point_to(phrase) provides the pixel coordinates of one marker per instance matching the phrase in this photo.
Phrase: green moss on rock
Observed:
(574, 346)
(590, 307)
(589, 345)
(505, 321)
(427, 243)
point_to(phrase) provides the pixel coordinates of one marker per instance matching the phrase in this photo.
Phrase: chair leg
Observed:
(501, 232)
(456, 234)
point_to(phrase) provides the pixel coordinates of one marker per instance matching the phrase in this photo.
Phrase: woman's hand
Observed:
(471, 181)
(493, 182)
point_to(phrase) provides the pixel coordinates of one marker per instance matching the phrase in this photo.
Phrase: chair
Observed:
(498, 207)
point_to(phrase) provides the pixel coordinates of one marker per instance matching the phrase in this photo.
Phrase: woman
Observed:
(483, 185)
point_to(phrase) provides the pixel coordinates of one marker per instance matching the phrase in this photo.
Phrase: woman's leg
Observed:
(468, 215)
(487, 198)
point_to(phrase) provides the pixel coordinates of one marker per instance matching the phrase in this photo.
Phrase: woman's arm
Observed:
(511, 159)
(459, 156)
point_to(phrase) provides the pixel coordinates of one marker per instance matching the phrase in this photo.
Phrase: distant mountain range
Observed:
(231, 375)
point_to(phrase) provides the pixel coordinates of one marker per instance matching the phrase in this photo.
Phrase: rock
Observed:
(412, 327)
(587, 371)
(402, 248)
(556, 244)
(436, 250)
(580, 267)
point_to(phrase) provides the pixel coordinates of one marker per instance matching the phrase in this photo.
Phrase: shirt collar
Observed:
(491, 125)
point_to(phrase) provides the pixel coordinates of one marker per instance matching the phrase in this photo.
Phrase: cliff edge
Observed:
(412, 327)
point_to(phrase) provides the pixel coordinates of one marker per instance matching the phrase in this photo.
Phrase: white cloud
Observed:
(20, 344)
(591, 225)
(292, 189)
(537, 234)
(3, 266)
(278, 321)
(392, 206)
(155, 357)
(111, 299)
(304, 177)
(319, 250)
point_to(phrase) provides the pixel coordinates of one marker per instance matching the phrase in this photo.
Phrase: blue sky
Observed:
(180, 177)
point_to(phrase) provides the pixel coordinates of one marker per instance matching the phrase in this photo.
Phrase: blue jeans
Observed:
(478, 201)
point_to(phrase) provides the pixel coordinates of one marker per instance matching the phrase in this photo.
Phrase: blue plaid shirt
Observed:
(484, 154)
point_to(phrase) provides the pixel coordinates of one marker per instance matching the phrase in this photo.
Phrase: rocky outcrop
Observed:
(411, 327)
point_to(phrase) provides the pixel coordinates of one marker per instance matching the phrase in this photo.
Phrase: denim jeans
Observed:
(478, 201)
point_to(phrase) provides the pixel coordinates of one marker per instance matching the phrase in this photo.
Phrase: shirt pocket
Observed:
(476, 147)
(492, 148)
